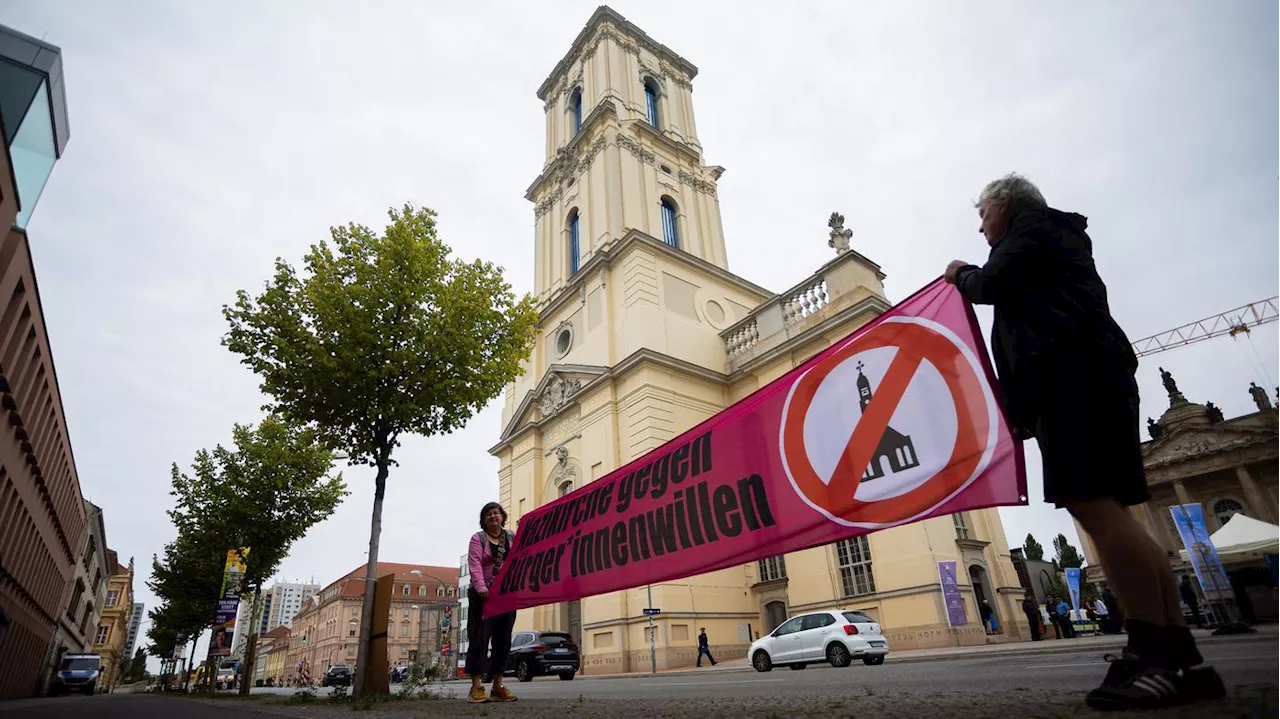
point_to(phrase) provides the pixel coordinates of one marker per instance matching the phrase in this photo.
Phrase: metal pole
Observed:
(653, 651)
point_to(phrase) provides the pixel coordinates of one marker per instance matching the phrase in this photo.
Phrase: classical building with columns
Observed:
(1228, 466)
(645, 332)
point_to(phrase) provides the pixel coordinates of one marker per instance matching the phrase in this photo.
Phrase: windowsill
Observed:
(770, 583)
(972, 543)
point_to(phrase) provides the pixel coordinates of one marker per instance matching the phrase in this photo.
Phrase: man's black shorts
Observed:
(1091, 444)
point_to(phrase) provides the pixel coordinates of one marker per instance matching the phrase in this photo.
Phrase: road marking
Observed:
(703, 683)
(1208, 661)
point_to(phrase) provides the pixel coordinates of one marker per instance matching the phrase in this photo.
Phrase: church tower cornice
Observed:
(611, 25)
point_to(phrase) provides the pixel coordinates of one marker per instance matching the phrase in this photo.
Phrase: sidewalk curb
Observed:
(1068, 648)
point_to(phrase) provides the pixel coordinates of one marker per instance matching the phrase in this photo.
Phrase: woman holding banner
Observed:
(489, 548)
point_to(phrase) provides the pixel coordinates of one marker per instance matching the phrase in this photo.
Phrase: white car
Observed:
(833, 636)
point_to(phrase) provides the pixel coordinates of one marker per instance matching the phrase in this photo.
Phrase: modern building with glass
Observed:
(42, 535)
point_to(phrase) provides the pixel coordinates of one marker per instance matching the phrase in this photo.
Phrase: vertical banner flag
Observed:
(956, 616)
(895, 423)
(224, 621)
(1073, 586)
(1189, 519)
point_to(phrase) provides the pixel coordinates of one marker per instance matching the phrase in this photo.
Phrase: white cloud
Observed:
(204, 144)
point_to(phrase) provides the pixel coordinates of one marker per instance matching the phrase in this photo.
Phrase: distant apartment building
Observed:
(326, 631)
(286, 602)
(40, 500)
(280, 604)
(135, 621)
(464, 583)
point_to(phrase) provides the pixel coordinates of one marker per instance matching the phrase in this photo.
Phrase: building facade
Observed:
(1229, 467)
(286, 602)
(278, 671)
(326, 632)
(113, 627)
(645, 332)
(135, 623)
(85, 594)
(42, 514)
(266, 644)
(464, 583)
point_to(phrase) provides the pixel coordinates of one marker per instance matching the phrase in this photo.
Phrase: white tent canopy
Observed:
(1244, 535)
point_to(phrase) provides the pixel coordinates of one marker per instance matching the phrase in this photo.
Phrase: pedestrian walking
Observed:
(985, 612)
(485, 555)
(1192, 599)
(1030, 609)
(1100, 611)
(1067, 371)
(704, 647)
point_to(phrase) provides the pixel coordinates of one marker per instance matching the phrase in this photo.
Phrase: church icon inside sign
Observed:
(894, 446)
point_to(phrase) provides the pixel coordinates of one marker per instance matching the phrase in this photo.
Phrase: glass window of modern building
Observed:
(33, 114)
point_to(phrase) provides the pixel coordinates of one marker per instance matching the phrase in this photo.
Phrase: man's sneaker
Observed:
(501, 694)
(1133, 684)
(1204, 683)
(477, 695)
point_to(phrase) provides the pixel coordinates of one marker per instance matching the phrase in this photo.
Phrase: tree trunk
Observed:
(251, 646)
(370, 582)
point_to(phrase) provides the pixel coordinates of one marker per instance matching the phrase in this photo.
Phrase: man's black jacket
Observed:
(1053, 339)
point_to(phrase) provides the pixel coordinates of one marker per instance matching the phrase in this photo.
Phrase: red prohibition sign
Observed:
(915, 343)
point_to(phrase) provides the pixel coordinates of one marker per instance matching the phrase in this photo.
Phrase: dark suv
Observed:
(540, 653)
(338, 675)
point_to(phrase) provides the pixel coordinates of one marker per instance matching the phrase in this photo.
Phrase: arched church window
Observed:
(574, 257)
(575, 109)
(1225, 509)
(670, 233)
(651, 101)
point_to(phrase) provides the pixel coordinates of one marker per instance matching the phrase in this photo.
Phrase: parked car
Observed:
(834, 636)
(399, 674)
(77, 673)
(338, 675)
(536, 654)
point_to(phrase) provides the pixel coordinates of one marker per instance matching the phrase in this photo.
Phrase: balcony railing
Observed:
(847, 279)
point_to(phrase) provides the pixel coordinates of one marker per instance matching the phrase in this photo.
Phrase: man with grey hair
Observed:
(1067, 370)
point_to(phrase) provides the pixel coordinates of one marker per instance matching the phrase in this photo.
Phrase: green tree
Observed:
(1033, 549)
(264, 494)
(136, 670)
(1066, 555)
(187, 580)
(383, 336)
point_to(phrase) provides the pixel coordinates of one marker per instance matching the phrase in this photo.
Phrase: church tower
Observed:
(622, 154)
(644, 333)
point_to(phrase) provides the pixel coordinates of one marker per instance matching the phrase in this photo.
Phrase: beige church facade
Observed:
(646, 332)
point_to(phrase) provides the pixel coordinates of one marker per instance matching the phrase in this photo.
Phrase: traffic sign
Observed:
(923, 434)
(651, 611)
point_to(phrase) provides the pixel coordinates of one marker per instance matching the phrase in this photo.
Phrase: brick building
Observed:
(42, 513)
(326, 630)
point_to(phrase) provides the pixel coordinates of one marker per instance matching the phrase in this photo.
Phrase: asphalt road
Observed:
(1026, 686)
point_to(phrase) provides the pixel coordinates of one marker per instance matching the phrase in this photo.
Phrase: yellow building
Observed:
(646, 332)
(113, 627)
(272, 648)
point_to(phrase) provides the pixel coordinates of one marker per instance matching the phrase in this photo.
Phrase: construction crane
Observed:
(1231, 322)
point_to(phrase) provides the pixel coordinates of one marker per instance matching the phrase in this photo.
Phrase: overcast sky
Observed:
(207, 139)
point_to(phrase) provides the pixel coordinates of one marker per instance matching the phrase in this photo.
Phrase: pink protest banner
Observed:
(896, 423)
